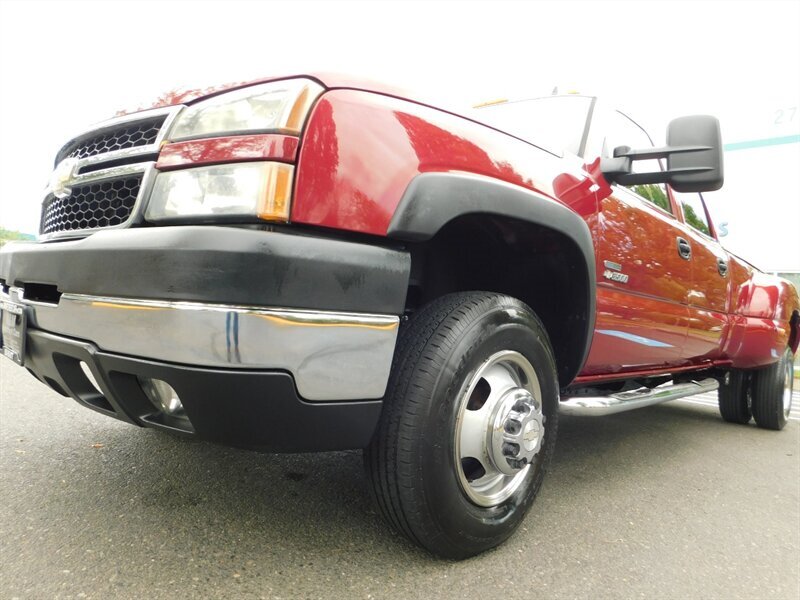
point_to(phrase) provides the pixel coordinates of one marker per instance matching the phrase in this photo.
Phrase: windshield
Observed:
(556, 123)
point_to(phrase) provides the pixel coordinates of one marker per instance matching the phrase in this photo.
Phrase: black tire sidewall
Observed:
(502, 328)
(768, 390)
(734, 398)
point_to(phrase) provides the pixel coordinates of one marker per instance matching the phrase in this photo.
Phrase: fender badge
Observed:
(618, 277)
(612, 272)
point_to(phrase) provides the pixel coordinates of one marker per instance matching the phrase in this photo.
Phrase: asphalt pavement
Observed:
(663, 502)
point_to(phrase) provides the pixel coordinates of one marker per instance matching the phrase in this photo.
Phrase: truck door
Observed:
(708, 294)
(642, 272)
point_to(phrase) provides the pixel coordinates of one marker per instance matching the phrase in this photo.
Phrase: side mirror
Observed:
(695, 170)
(693, 153)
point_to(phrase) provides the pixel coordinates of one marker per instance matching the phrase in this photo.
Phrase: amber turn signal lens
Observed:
(276, 202)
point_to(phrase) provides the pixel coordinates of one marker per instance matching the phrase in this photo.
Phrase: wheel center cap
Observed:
(517, 431)
(530, 435)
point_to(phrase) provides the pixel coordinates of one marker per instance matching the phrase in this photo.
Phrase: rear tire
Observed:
(772, 393)
(476, 353)
(734, 397)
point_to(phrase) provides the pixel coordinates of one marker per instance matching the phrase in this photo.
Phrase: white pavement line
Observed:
(697, 402)
(793, 415)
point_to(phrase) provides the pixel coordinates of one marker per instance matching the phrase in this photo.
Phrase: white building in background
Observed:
(759, 205)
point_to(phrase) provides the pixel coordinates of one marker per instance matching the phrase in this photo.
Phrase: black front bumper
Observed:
(225, 265)
(207, 287)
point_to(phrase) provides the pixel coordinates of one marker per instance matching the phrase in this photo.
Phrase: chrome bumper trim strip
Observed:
(332, 355)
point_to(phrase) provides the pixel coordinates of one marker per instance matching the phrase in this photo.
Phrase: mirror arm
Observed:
(655, 177)
(614, 168)
(650, 153)
(619, 168)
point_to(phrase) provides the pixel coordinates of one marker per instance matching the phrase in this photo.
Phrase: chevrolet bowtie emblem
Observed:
(62, 176)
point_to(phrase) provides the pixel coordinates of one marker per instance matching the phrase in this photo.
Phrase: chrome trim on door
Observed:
(332, 355)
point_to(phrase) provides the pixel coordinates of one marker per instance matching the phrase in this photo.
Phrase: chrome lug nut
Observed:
(522, 407)
(517, 463)
(510, 449)
(513, 426)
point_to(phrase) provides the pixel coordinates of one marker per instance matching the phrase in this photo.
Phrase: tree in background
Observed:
(6, 235)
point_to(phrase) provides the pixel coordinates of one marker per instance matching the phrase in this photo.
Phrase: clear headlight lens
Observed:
(246, 190)
(275, 106)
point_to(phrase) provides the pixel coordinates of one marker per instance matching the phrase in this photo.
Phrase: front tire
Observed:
(772, 393)
(468, 425)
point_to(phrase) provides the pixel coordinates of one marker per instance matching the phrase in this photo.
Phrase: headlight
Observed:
(240, 190)
(279, 106)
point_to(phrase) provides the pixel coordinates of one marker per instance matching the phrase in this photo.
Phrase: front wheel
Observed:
(468, 425)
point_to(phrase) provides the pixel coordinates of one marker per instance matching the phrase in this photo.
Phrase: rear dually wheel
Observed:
(772, 392)
(734, 397)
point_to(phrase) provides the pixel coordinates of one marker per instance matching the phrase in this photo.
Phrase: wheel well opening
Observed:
(536, 264)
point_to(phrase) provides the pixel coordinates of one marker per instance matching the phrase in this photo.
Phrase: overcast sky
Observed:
(64, 65)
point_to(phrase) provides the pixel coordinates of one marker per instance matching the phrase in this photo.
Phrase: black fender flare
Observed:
(432, 200)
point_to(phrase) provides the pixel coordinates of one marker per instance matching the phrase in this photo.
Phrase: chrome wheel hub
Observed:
(499, 428)
(517, 432)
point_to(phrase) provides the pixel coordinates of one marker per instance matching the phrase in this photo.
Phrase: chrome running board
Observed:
(599, 406)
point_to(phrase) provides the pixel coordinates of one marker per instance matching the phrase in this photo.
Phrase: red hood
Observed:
(328, 80)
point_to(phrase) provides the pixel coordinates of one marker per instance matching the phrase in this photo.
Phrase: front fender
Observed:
(433, 200)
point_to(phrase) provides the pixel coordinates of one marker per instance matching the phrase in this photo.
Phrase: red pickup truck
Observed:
(314, 263)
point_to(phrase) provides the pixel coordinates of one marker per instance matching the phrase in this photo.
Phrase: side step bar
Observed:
(599, 406)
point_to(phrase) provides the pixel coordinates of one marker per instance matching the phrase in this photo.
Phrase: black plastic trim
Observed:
(223, 265)
(259, 410)
(434, 199)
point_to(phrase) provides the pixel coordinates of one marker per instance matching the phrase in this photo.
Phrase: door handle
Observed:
(722, 267)
(684, 249)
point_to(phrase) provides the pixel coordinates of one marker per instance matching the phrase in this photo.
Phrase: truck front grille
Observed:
(121, 137)
(92, 206)
(103, 173)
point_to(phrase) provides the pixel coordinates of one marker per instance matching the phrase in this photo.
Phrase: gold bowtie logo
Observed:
(62, 176)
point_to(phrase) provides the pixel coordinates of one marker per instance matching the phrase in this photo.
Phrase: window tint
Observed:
(624, 132)
(694, 212)
(556, 123)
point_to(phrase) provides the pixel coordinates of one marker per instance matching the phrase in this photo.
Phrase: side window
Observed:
(694, 212)
(655, 193)
(624, 132)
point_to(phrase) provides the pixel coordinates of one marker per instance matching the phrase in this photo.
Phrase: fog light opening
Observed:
(90, 376)
(163, 396)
